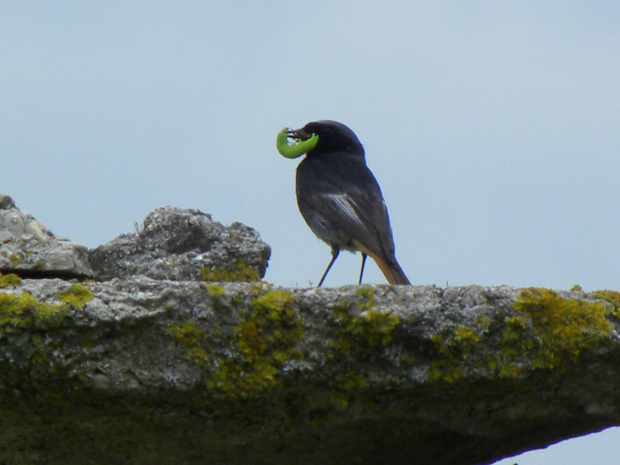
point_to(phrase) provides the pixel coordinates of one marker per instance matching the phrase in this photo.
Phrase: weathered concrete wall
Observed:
(157, 372)
(137, 370)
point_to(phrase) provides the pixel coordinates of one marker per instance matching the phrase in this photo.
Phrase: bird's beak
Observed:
(298, 134)
(303, 142)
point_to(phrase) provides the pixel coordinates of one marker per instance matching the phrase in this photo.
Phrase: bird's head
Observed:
(318, 136)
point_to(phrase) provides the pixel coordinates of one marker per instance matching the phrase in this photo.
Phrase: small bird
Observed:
(338, 195)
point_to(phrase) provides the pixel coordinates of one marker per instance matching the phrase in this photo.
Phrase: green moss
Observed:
(266, 339)
(23, 311)
(239, 272)
(9, 280)
(576, 288)
(215, 290)
(77, 295)
(186, 334)
(563, 327)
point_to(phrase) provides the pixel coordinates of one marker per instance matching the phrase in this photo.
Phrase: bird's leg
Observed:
(335, 252)
(363, 263)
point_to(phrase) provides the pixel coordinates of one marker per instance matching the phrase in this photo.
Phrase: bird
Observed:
(338, 195)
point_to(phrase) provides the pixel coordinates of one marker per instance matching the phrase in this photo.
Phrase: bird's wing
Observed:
(345, 211)
(346, 208)
(363, 218)
(358, 217)
(347, 196)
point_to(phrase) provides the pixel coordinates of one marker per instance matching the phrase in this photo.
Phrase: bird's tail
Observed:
(392, 270)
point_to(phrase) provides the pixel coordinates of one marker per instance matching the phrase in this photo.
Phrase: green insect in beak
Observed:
(298, 147)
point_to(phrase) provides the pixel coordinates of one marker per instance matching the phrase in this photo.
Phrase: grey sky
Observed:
(492, 128)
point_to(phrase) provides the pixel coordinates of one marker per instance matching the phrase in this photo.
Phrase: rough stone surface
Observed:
(150, 366)
(173, 244)
(178, 244)
(28, 248)
(143, 371)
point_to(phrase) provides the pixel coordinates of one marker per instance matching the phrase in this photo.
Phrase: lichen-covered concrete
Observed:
(142, 371)
(177, 352)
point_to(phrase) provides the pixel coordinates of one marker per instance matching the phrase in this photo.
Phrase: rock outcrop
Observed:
(183, 245)
(172, 244)
(27, 247)
(140, 370)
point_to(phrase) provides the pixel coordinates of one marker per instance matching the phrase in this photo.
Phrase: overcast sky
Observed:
(492, 127)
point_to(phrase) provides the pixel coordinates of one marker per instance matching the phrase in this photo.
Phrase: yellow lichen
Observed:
(482, 322)
(77, 295)
(516, 340)
(371, 327)
(547, 331)
(367, 294)
(453, 353)
(266, 339)
(466, 335)
(613, 298)
(215, 290)
(239, 272)
(190, 337)
(563, 327)
(447, 367)
(197, 355)
(9, 280)
(16, 258)
(509, 370)
(23, 311)
(186, 334)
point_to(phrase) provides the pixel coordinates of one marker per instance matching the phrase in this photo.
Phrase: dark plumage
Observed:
(340, 198)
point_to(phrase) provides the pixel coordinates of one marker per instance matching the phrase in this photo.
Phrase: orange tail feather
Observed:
(392, 271)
